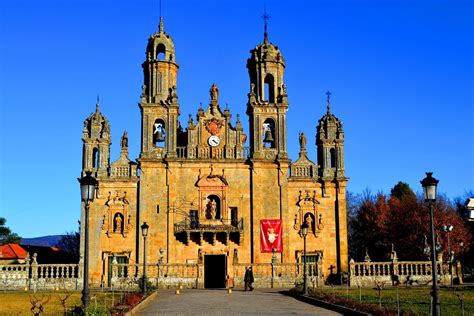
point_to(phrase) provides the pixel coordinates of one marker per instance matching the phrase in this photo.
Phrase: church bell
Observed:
(268, 137)
(159, 133)
(159, 136)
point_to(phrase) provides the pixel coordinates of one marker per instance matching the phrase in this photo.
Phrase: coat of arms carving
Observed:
(214, 126)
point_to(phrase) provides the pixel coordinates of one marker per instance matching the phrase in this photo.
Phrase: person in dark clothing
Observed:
(248, 279)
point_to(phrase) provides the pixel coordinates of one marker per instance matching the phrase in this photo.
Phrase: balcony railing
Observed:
(213, 153)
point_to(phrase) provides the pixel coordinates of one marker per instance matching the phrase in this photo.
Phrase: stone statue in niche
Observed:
(309, 220)
(200, 256)
(118, 228)
(236, 256)
(211, 209)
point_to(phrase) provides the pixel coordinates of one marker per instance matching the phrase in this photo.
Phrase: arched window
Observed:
(269, 93)
(213, 207)
(332, 158)
(160, 52)
(269, 133)
(159, 133)
(95, 158)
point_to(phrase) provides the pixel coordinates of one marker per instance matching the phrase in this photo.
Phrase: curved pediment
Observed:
(212, 181)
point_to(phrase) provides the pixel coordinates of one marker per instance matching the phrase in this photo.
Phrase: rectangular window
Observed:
(122, 271)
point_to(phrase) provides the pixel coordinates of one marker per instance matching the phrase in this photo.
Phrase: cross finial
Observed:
(97, 104)
(161, 27)
(265, 18)
(328, 93)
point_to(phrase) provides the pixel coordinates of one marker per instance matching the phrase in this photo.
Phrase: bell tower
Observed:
(96, 144)
(268, 102)
(330, 145)
(159, 99)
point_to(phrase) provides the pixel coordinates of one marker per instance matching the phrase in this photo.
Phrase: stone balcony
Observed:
(190, 152)
(210, 231)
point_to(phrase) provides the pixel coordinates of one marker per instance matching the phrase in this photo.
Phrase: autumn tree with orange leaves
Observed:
(402, 219)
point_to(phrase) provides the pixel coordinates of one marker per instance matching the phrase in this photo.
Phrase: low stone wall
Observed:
(159, 275)
(266, 275)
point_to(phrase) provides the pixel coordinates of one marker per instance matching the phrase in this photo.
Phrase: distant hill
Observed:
(47, 241)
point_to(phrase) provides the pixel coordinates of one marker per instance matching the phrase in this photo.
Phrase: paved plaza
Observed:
(219, 302)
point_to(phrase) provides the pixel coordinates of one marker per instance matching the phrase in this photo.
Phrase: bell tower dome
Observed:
(268, 102)
(96, 144)
(330, 145)
(159, 98)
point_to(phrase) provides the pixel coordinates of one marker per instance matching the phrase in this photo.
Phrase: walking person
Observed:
(248, 279)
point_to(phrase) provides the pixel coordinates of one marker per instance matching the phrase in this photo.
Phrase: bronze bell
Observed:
(268, 137)
(159, 133)
(159, 136)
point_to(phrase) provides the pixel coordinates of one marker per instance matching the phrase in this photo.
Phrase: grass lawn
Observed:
(413, 301)
(18, 303)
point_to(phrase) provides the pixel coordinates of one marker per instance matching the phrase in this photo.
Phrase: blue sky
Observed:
(401, 74)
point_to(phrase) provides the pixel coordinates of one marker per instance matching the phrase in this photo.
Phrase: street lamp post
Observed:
(88, 186)
(304, 232)
(447, 229)
(144, 234)
(461, 243)
(429, 185)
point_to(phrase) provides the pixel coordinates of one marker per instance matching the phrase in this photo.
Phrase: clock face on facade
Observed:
(214, 140)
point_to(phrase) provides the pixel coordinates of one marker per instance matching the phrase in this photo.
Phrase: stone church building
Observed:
(212, 193)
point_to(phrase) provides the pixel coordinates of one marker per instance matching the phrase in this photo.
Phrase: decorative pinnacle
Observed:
(161, 28)
(265, 18)
(328, 93)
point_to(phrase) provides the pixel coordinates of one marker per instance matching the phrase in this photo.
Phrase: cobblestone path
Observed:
(219, 302)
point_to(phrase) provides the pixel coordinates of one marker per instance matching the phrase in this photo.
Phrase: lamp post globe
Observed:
(88, 186)
(144, 228)
(430, 185)
(304, 233)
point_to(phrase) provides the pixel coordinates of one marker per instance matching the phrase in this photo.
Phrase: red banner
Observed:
(270, 235)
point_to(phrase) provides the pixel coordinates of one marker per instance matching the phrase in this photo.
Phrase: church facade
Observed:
(212, 193)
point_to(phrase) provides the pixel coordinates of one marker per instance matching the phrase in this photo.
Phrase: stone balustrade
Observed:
(279, 275)
(36, 276)
(393, 272)
(160, 275)
(212, 152)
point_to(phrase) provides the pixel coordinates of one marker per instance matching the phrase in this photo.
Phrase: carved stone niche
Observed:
(307, 212)
(117, 220)
(213, 198)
